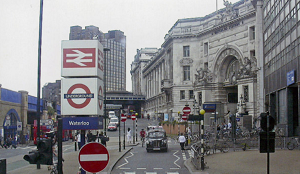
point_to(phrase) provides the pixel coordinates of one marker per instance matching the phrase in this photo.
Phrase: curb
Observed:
(114, 164)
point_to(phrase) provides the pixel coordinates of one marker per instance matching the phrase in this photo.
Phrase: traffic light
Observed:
(32, 157)
(264, 121)
(267, 138)
(43, 154)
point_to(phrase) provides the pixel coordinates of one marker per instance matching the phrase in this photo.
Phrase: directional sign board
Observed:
(81, 58)
(93, 157)
(82, 96)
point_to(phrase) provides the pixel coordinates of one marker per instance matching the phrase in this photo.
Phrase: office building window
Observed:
(186, 73)
(191, 94)
(186, 51)
(252, 33)
(182, 95)
(206, 48)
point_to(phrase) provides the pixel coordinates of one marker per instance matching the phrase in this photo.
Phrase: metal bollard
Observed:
(2, 166)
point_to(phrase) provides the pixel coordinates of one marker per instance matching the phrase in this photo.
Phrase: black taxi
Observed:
(156, 140)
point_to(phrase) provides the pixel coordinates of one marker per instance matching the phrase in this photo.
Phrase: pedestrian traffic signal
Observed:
(43, 154)
(32, 157)
(264, 121)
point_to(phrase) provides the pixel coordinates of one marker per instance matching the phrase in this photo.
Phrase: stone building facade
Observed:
(209, 59)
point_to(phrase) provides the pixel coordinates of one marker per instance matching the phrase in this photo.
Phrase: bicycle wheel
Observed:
(291, 145)
(225, 147)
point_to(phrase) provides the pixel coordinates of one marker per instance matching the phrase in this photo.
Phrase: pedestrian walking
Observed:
(182, 141)
(78, 139)
(129, 135)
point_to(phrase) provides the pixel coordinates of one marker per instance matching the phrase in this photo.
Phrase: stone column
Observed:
(23, 116)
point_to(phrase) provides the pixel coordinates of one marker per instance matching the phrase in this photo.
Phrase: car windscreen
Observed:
(156, 134)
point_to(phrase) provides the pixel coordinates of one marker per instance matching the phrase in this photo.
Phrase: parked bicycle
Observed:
(293, 143)
(222, 146)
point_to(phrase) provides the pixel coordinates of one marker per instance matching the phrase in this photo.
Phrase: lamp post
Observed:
(105, 57)
(178, 123)
(202, 112)
(136, 114)
(38, 114)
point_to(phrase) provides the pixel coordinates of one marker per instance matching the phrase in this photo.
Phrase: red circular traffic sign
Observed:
(133, 117)
(184, 117)
(186, 110)
(87, 100)
(93, 157)
(123, 118)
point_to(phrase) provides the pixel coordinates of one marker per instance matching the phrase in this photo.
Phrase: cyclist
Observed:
(142, 134)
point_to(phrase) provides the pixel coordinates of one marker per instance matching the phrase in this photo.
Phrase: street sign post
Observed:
(93, 157)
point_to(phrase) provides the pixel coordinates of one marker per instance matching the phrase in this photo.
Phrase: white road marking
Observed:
(174, 168)
(177, 159)
(183, 156)
(141, 168)
(157, 168)
(126, 162)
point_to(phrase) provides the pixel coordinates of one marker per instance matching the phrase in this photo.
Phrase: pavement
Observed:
(71, 164)
(238, 162)
(283, 161)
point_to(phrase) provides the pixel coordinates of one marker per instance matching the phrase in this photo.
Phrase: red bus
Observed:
(43, 130)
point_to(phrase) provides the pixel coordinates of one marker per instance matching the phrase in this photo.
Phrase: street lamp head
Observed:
(202, 111)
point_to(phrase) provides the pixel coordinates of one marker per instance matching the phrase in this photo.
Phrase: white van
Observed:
(111, 114)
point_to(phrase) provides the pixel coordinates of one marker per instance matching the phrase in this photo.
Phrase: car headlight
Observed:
(165, 141)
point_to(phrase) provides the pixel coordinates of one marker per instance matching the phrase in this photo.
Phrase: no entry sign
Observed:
(93, 157)
(133, 117)
(123, 118)
(186, 110)
(184, 117)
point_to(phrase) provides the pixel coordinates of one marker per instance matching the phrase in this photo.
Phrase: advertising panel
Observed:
(82, 58)
(82, 96)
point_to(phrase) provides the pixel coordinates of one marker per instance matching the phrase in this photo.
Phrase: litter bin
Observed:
(2, 166)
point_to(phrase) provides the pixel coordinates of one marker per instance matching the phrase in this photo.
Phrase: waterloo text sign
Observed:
(82, 123)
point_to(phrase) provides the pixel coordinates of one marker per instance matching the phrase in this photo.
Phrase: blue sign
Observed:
(209, 107)
(82, 123)
(290, 77)
(166, 118)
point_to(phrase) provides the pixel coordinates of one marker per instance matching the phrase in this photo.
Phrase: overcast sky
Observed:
(144, 22)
